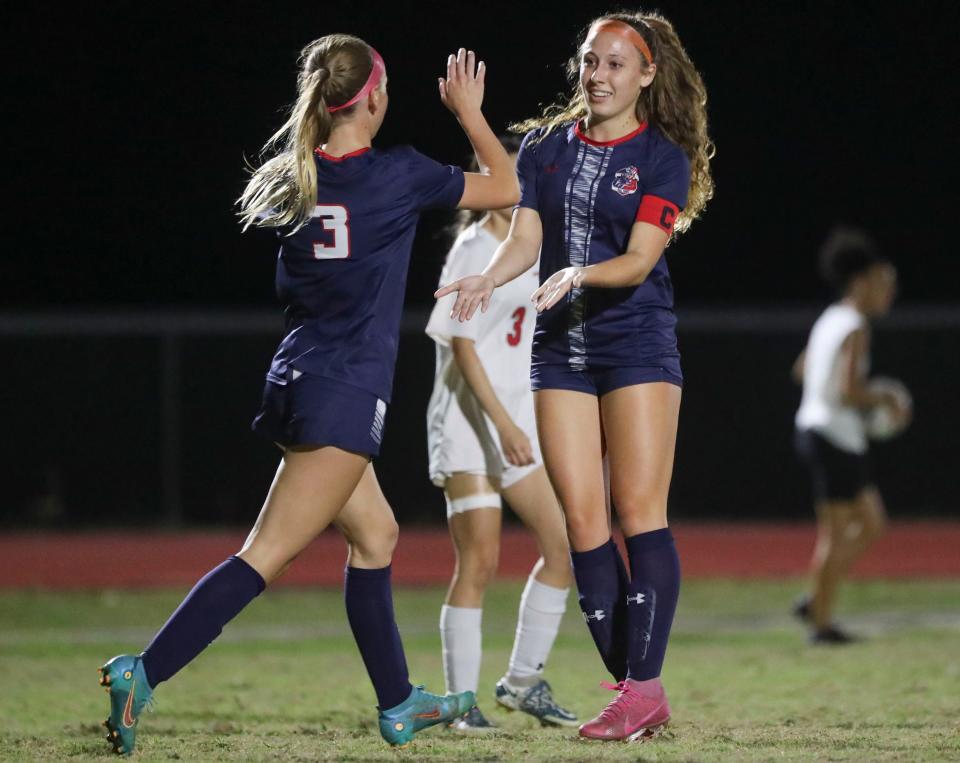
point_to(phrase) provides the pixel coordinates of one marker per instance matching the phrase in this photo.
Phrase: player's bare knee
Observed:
(873, 515)
(374, 547)
(641, 512)
(579, 529)
(269, 561)
(477, 570)
(874, 525)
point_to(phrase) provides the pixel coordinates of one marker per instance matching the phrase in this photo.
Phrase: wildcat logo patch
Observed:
(626, 181)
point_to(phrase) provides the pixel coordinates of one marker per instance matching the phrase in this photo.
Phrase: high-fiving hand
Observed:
(462, 89)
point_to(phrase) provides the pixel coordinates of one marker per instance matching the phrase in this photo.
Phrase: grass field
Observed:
(285, 680)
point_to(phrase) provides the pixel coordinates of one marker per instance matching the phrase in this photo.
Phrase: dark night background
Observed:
(128, 124)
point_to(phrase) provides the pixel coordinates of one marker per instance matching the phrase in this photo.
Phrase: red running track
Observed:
(424, 556)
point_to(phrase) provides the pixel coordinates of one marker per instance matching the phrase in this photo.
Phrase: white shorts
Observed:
(465, 441)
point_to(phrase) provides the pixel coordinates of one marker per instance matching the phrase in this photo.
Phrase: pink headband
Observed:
(624, 30)
(376, 74)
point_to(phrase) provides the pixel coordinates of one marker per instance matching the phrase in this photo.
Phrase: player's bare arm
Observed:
(462, 92)
(516, 255)
(855, 391)
(631, 268)
(515, 443)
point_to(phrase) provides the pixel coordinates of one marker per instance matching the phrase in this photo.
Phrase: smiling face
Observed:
(612, 74)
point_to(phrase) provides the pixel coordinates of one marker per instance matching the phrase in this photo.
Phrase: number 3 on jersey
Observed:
(335, 219)
(514, 339)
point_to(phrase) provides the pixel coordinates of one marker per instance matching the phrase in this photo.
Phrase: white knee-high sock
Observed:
(541, 609)
(461, 638)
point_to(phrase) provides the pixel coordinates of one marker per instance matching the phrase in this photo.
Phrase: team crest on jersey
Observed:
(626, 181)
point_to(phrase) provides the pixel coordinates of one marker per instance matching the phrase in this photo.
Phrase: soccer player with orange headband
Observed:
(607, 180)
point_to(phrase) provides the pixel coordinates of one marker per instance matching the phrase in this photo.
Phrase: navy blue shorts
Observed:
(600, 381)
(303, 409)
(837, 475)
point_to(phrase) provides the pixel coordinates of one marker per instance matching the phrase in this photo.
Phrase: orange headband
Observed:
(624, 30)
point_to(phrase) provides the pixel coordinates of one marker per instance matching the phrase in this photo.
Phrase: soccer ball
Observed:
(881, 421)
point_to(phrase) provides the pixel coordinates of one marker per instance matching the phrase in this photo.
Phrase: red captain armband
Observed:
(659, 212)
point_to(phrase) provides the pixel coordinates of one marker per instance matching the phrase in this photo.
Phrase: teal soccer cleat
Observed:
(420, 711)
(126, 682)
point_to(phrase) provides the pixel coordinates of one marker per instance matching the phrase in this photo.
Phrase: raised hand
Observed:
(462, 89)
(472, 292)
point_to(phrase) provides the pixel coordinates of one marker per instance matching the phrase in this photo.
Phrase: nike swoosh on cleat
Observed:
(428, 716)
(128, 719)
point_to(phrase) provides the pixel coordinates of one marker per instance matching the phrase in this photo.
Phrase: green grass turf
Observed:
(285, 680)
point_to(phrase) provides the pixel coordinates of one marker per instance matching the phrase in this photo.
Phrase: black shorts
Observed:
(837, 475)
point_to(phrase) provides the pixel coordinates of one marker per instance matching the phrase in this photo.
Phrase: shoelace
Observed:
(624, 699)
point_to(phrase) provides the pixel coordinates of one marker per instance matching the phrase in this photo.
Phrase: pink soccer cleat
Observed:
(638, 713)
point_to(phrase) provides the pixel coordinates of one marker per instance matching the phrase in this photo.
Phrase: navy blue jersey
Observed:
(342, 276)
(589, 195)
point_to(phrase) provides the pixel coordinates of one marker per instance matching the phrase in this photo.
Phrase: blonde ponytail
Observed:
(283, 190)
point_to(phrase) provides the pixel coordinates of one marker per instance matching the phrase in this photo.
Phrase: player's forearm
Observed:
(860, 396)
(473, 372)
(492, 157)
(514, 257)
(629, 269)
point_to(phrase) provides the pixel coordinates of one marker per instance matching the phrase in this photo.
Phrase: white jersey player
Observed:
(830, 433)
(483, 444)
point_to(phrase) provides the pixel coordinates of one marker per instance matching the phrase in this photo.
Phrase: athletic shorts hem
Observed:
(317, 411)
(600, 381)
(835, 474)
(509, 477)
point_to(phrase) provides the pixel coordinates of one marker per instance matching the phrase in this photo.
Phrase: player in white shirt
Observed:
(482, 439)
(831, 437)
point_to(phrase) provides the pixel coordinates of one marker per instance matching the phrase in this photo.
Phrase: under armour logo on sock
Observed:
(638, 599)
(598, 614)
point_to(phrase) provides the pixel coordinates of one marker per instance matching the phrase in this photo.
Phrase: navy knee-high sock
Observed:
(602, 586)
(369, 601)
(652, 600)
(214, 601)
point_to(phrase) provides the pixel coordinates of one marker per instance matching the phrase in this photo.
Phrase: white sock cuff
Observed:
(544, 598)
(460, 617)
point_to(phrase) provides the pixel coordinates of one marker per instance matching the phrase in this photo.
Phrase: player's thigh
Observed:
(568, 424)
(310, 488)
(367, 524)
(640, 422)
(534, 502)
(474, 517)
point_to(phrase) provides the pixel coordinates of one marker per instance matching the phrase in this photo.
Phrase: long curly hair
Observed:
(675, 103)
(283, 190)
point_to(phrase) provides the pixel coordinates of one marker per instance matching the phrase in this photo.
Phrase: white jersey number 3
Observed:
(333, 218)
